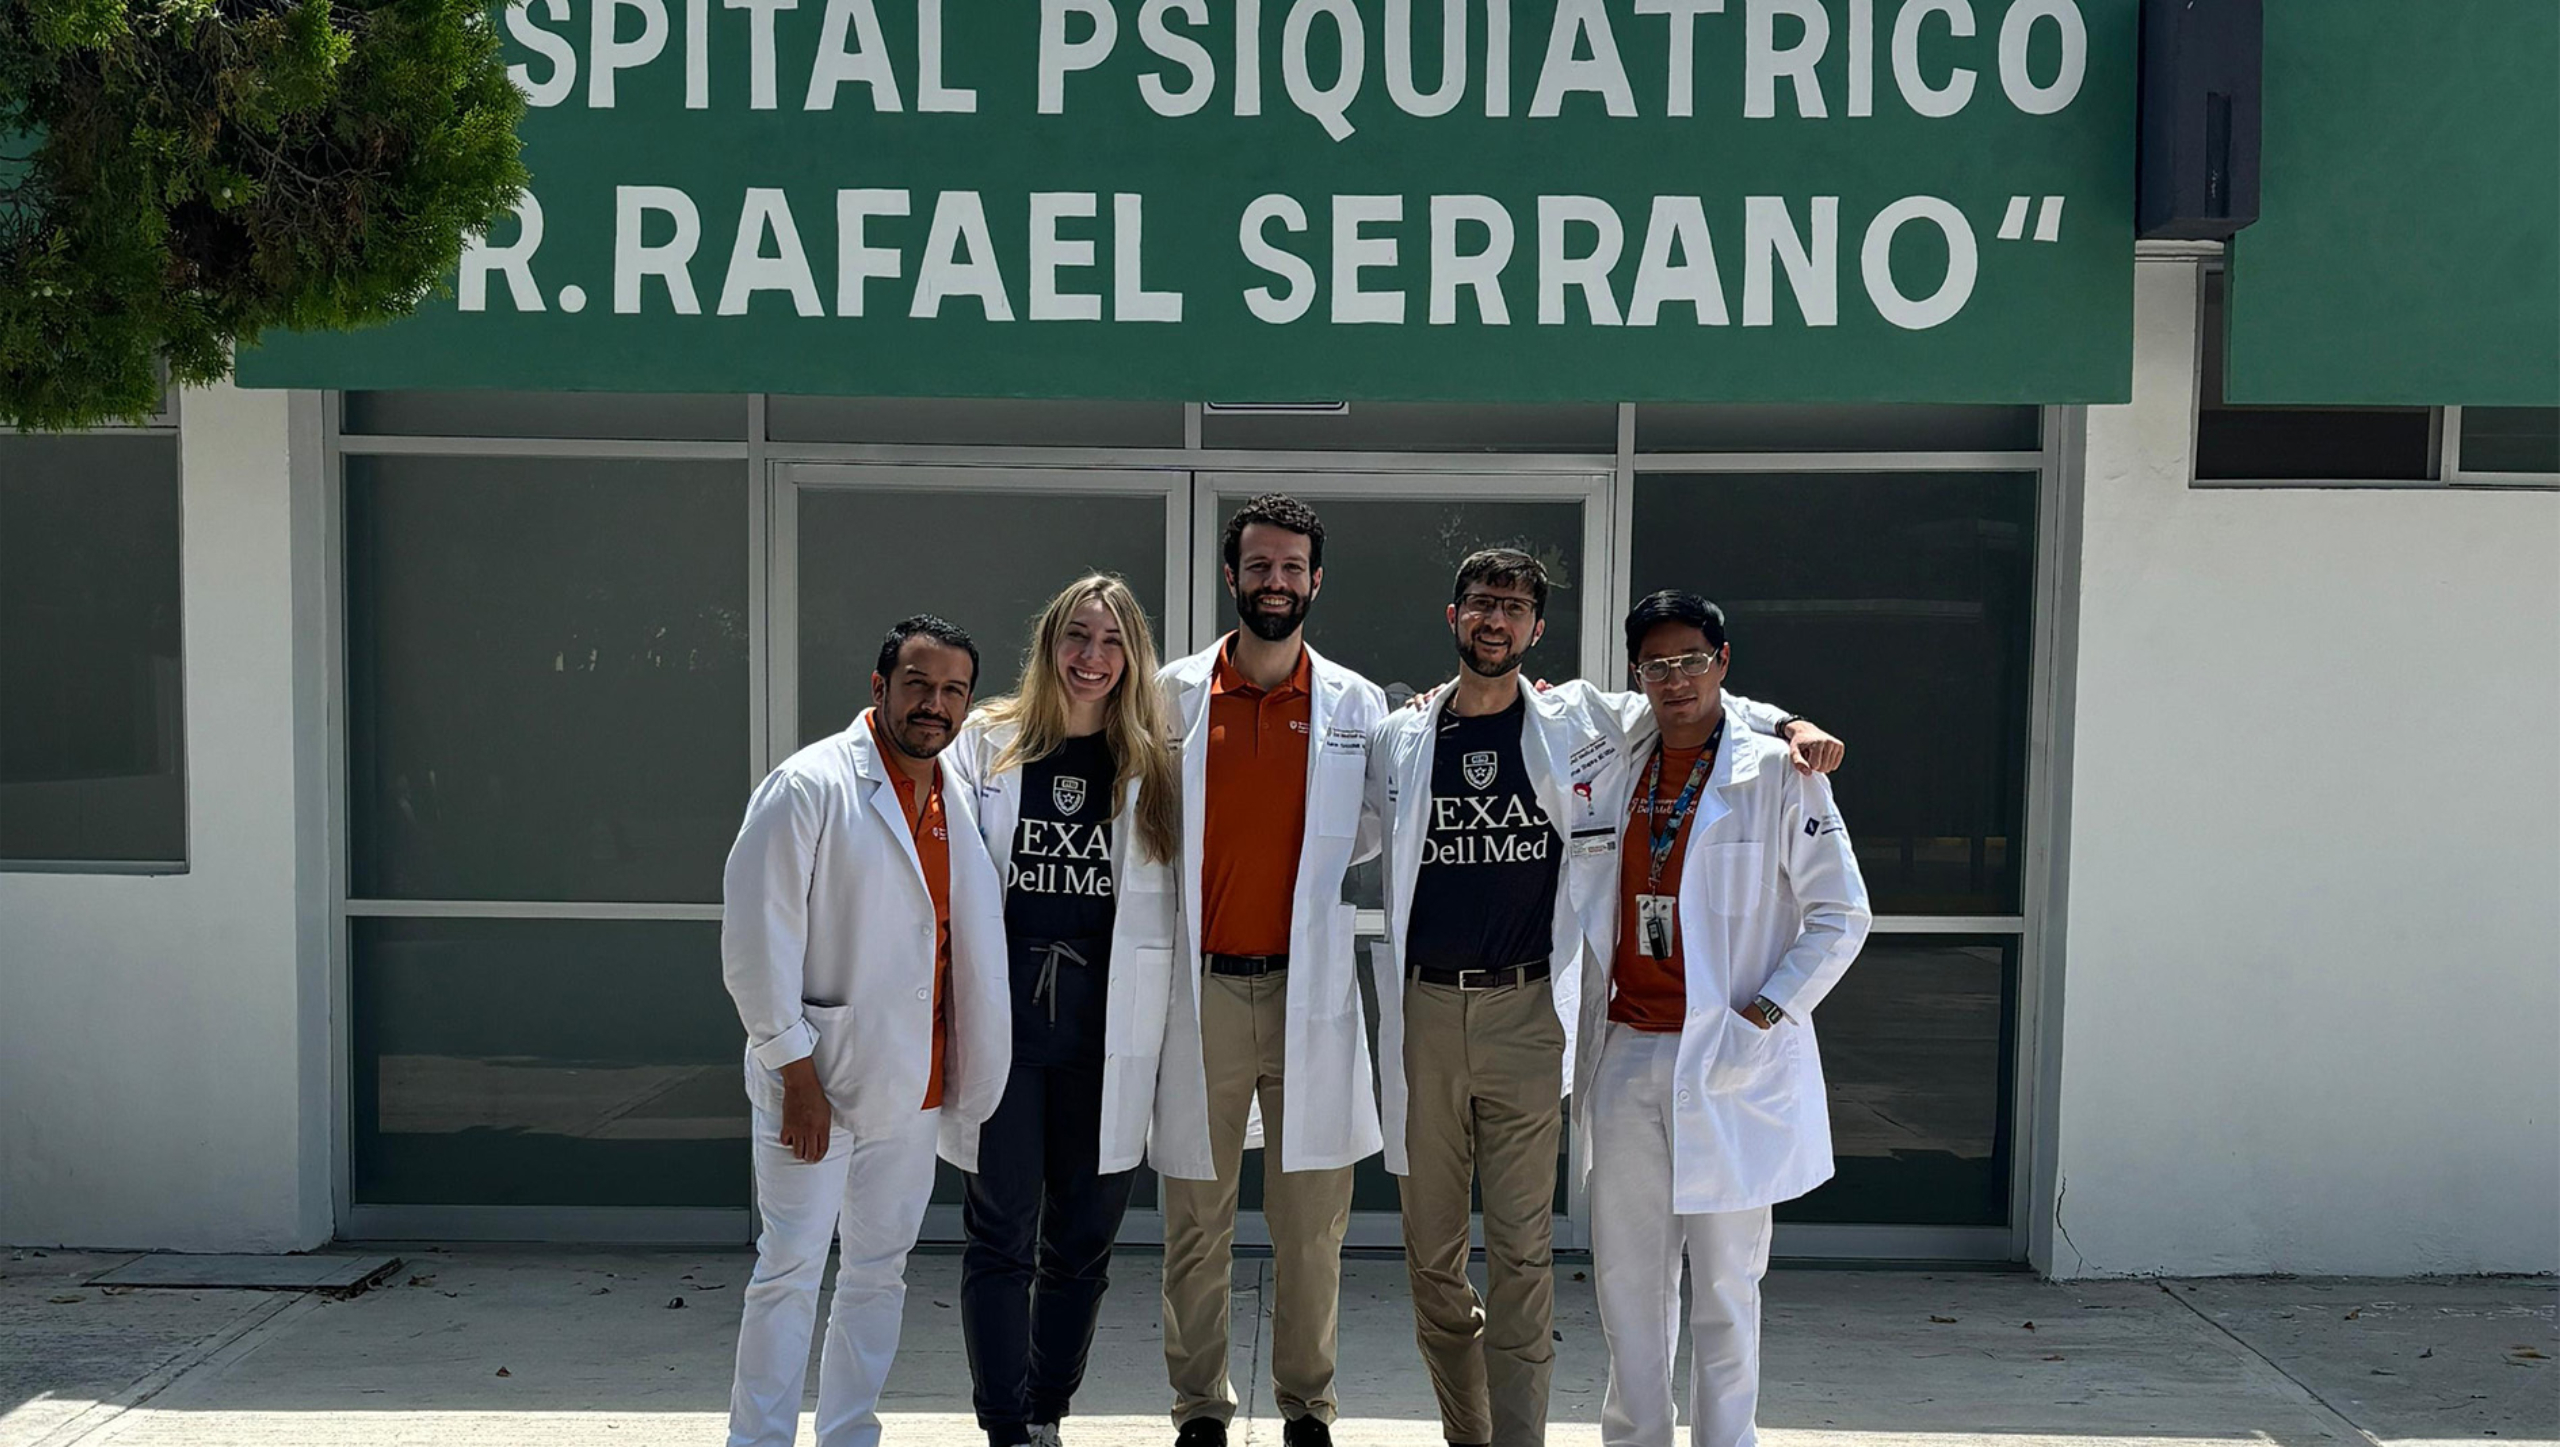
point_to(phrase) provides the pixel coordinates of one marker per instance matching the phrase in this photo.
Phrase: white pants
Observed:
(872, 1191)
(1636, 1244)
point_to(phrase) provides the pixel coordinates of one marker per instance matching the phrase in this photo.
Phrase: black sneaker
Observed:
(1201, 1432)
(1306, 1432)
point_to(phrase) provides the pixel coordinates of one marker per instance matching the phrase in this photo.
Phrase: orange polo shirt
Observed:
(1644, 992)
(1255, 816)
(932, 833)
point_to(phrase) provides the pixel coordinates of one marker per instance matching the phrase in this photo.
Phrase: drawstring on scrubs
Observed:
(1047, 984)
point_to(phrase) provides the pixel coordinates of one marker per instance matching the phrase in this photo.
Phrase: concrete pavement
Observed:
(489, 1347)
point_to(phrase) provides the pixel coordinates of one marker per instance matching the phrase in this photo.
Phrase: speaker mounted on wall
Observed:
(2202, 64)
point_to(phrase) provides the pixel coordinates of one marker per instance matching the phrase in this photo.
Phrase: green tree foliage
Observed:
(180, 175)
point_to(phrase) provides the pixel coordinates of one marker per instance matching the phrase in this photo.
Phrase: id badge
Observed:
(1654, 924)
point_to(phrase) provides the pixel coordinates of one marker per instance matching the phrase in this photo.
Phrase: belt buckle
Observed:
(1494, 984)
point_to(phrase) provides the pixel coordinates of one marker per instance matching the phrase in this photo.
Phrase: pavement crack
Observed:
(2272, 1365)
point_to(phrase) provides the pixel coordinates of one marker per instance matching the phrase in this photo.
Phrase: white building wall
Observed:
(2311, 971)
(164, 1067)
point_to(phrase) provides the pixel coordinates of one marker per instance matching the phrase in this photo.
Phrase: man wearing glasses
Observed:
(1699, 1097)
(1502, 827)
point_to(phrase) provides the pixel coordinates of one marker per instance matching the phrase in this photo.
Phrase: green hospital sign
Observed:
(1500, 200)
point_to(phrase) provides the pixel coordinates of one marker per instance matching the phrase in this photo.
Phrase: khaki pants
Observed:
(1241, 1033)
(1484, 1071)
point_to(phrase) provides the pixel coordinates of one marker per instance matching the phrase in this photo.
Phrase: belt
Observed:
(1248, 966)
(1498, 979)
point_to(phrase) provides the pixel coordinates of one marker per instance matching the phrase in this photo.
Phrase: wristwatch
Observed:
(1768, 1011)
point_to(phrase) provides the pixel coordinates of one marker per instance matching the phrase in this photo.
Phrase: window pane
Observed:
(546, 677)
(92, 736)
(545, 1063)
(2511, 439)
(1896, 610)
(974, 422)
(1805, 427)
(1916, 1046)
(2301, 444)
(988, 561)
(1421, 427)
(606, 416)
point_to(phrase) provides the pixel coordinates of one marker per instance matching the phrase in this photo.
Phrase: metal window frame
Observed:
(164, 423)
(1191, 478)
(2444, 440)
(2449, 463)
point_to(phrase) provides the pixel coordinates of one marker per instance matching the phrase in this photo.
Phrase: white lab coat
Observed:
(1572, 743)
(1137, 1000)
(827, 945)
(1333, 1105)
(1771, 903)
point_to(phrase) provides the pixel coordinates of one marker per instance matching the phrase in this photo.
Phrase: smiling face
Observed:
(922, 702)
(1681, 700)
(1274, 580)
(1494, 626)
(1091, 655)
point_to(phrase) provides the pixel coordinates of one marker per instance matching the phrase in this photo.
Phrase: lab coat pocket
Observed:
(1139, 1029)
(1735, 876)
(1334, 807)
(1750, 1064)
(835, 1056)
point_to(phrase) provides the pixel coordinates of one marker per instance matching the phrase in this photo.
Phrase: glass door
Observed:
(1393, 542)
(859, 547)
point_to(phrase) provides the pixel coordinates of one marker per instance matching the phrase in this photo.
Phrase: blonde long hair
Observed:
(1134, 718)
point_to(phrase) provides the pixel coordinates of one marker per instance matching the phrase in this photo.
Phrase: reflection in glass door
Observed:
(1393, 542)
(986, 548)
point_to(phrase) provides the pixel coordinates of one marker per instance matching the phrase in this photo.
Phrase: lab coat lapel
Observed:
(883, 791)
(1413, 807)
(1546, 727)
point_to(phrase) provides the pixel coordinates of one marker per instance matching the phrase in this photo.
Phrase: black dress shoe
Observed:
(1201, 1432)
(1306, 1432)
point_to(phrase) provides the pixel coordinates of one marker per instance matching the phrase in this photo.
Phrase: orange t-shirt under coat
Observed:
(1644, 992)
(932, 833)
(1254, 818)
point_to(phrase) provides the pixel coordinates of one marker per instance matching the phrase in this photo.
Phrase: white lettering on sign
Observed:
(2017, 28)
(635, 260)
(1444, 98)
(1582, 25)
(609, 54)
(563, 80)
(1923, 98)
(851, 49)
(1155, 32)
(1764, 59)
(1469, 250)
(1480, 271)
(1254, 233)
(514, 261)
(767, 212)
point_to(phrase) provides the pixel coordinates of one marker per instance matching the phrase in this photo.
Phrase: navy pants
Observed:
(1040, 1216)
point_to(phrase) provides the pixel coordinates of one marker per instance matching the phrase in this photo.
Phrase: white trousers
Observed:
(1636, 1245)
(871, 1191)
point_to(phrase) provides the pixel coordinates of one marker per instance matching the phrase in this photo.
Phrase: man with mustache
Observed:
(1274, 741)
(862, 936)
(1497, 833)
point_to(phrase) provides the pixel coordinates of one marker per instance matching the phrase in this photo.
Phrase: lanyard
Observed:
(1661, 837)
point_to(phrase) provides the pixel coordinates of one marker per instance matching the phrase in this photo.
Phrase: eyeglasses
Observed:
(1691, 665)
(1513, 610)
